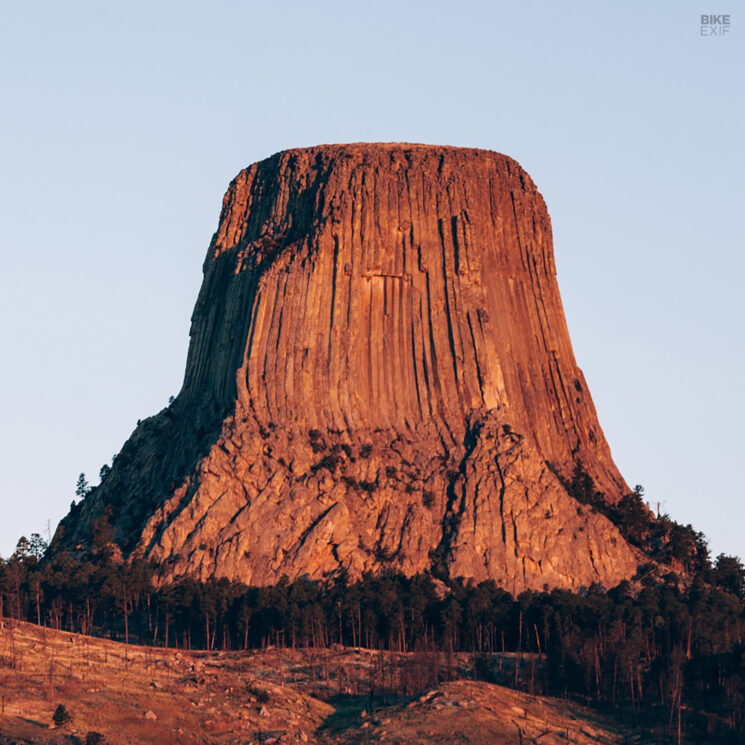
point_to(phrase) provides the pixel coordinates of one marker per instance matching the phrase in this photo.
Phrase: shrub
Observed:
(261, 694)
(61, 716)
(330, 462)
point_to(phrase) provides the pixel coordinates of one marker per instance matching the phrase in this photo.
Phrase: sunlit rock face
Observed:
(380, 376)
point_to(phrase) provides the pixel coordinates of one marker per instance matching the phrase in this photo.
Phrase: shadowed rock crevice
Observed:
(379, 371)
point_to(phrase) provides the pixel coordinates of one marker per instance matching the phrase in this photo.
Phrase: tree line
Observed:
(660, 649)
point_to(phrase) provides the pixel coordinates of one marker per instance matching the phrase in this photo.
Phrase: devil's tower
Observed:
(380, 375)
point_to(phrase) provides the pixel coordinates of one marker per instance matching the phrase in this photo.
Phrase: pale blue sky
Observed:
(123, 124)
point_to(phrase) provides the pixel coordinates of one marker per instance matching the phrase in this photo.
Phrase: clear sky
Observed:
(122, 125)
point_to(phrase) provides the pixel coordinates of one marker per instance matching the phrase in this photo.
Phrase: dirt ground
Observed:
(132, 695)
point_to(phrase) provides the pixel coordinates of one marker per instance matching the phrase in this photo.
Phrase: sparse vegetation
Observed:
(660, 537)
(317, 443)
(330, 462)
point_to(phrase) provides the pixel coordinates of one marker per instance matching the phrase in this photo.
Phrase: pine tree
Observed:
(61, 716)
(81, 488)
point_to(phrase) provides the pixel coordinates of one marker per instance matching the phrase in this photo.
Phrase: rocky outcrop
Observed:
(380, 375)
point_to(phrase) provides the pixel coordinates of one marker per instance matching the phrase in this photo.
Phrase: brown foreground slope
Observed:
(379, 376)
(137, 695)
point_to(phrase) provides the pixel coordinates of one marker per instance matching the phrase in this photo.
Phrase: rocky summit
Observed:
(380, 376)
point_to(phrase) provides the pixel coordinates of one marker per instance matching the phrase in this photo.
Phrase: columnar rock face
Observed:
(379, 376)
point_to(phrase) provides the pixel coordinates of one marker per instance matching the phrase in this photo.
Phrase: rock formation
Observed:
(379, 376)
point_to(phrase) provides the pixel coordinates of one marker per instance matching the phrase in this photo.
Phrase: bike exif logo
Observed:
(714, 25)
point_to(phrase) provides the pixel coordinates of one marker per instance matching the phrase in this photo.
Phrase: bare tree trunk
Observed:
(126, 617)
(520, 633)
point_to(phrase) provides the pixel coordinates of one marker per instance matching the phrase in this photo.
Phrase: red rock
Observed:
(380, 375)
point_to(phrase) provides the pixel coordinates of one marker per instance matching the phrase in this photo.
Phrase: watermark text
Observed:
(715, 25)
